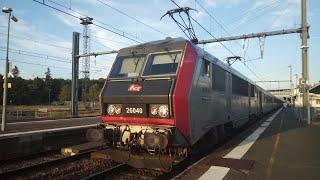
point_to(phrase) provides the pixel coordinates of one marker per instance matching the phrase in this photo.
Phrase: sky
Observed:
(42, 37)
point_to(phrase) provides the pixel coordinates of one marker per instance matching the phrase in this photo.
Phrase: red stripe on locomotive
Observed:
(138, 120)
(182, 90)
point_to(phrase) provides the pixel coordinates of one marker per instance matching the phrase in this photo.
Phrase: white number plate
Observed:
(132, 110)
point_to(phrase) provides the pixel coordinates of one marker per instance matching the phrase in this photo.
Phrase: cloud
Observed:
(224, 3)
(285, 17)
(26, 36)
(279, 14)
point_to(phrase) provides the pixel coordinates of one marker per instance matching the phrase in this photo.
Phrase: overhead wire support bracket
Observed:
(97, 53)
(252, 35)
(184, 24)
(275, 81)
(262, 40)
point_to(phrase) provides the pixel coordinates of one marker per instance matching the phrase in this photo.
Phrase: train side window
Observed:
(252, 91)
(239, 86)
(205, 72)
(218, 78)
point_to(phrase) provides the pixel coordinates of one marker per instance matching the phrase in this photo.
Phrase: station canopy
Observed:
(315, 89)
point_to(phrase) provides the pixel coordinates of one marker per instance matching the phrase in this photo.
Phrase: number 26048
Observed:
(134, 110)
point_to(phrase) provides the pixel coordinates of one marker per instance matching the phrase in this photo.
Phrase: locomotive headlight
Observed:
(114, 109)
(118, 110)
(111, 109)
(163, 111)
(154, 110)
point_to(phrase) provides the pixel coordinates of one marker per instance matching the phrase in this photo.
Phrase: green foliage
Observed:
(48, 74)
(65, 93)
(36, 91)
(48, 82)
(94, 91)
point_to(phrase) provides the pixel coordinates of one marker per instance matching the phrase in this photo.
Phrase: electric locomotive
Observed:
(163, 97)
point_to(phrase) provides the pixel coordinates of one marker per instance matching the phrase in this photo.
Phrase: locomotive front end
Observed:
(139, 122)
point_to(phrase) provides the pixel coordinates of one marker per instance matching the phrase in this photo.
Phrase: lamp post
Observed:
(5, 85)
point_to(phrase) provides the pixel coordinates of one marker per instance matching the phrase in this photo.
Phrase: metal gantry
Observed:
(75, 75)
(75, 70)
(86, 21)
(305, 72)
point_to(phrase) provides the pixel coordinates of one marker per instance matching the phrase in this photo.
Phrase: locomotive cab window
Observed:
(162, 64)
(205, 68)
(127, 67)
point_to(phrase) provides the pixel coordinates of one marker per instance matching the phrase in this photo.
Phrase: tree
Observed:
(48, 81)
(65, 93)
(15, 72)
(48, 75)
(94, 91)
(38, 93)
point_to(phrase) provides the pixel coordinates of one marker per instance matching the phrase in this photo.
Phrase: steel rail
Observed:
(108, 172)
(43, 165)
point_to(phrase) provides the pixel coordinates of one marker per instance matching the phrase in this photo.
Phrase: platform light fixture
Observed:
(7, 10)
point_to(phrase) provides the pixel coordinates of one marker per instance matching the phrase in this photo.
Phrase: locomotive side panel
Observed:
(239, 101)
(208, 98)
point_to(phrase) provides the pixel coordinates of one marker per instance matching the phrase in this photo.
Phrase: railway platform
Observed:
(29, 137)
(280, 147)
(32, 127)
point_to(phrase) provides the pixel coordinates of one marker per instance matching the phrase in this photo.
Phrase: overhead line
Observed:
(115, 32)
(35, 41)
(252, 19)
(222, 27)
(45, 65)
(204, 29)
(107, 39)
(34, 53)
(83, 15)
(216, 38)
(212, 17)
(254, 9)
(131, 17)
(57, 9)
(41, 56)
(78, 17)
(69, 8)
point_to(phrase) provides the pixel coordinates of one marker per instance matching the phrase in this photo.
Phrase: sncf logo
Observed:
(135, 88)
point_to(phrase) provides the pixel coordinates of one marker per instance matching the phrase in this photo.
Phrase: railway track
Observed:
(70, 167)
(42, 165)
(112, 171)
(81, 166)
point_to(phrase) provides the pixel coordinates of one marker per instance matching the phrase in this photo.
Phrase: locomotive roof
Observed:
(170, 44)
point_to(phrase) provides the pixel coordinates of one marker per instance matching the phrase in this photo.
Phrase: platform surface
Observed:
(18, 128)
(281, 147)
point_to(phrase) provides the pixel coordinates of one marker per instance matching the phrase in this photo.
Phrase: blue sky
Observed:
(44, 32)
